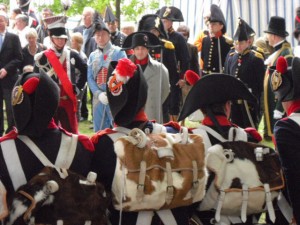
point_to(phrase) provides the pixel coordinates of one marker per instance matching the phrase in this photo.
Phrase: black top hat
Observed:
(285, 81)
(24, 5)
(109, 16)
(215, 89)
(141, 38)
(35, 99)
(125, 99)
(152, 21)
(277, 26)
(170, 13)
(216, 15)
(241, 33)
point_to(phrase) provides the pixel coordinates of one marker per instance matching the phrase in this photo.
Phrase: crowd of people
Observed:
(142, 79)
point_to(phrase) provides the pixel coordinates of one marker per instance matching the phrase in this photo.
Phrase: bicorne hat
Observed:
(214, 89)
(126, 90)
(170, 13)
(285, 81)
(249, 29)
(35, 98)
(109, 16)
(56, 26)
(152, 21)
(100, 25)
(141, 38)
(241, 33)
(24, 5)
(216, 15)
(277, 26)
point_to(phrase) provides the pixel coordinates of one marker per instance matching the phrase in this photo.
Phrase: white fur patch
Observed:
(20, 209)
(119, 148)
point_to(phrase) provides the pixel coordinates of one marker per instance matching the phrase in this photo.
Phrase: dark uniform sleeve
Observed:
(287, 136)
(81, 65)
(104, 161)
(182, 54)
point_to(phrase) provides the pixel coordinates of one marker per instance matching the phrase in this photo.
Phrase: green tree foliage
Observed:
(130, 10)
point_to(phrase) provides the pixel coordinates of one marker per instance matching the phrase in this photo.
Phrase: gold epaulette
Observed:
(258, 54)
(260, 50)
(228, 40)
(168, 44)
(231, 53)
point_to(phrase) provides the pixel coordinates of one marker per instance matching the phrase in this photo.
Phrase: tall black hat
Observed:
(215, 89)
(285, 81)
(152, 21)
(170, 13)
(24, 5)
(277, 26)
(249, 29)
(56, 26)
(141, 38)
(109, 16)
(216, 15)
(100, 25)
(126, 90)
(35, 99)
(241, 33)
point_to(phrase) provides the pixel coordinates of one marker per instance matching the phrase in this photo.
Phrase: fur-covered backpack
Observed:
(247, 178)
(59, 196)
(158, 171)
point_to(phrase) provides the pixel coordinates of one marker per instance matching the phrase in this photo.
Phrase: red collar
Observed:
(218, 34)
(142, 62)
(298, 19)
(294, 107)
(222, 120)
(141, 116)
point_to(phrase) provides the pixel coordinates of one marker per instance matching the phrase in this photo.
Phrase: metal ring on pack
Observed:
(229, 154)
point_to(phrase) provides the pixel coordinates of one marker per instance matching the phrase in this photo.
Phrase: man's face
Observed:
(167, 23)
(59, 42)
(112, 26)
(102, 38)
(241, 46)
(2, 24)
(87, 18)
(271, 39)
(140, 52)
(215, 27)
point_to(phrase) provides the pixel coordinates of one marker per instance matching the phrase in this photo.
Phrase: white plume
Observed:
(66, 4)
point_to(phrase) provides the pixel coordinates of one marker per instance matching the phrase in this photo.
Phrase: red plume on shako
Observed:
(122, 73)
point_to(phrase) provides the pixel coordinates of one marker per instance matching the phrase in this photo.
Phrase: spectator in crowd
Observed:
(32, 48)
(248, 66)
(76, 45)
(156, 74)
(3, 7)
(89, 45)
(60, 62)
(169, 15)
(24, 5)
(21, 28)
(13, 15)
(127, 28)
(10, 59)
(276, 35)
(41, 29)
(116, 37)
(193, 52)
(98, 63)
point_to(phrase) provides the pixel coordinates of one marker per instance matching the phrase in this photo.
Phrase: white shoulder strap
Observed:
(120, 132)
(295, 117)
(158, 128)
(35, 150)
(15, 169)
(66, 151)
(237, 134)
